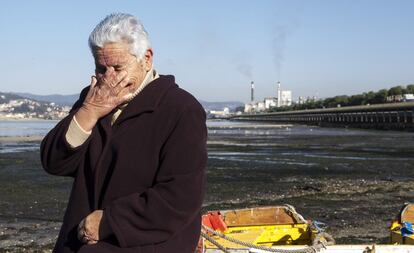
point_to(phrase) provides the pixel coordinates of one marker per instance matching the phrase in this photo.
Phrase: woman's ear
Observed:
(148, 59)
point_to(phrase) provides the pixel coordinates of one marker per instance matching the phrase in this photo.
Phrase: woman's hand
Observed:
(106, 93)
(89, 228)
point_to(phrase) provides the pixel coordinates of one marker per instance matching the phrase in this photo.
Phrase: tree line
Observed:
(365, 98)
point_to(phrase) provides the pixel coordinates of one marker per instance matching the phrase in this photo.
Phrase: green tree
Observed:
(380, 97)
(357, 100)
(397, 90)
(341, 100)
(410, 88)
(369, 97)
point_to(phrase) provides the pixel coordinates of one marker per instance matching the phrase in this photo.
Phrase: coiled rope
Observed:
(309, 249)
(321, 240)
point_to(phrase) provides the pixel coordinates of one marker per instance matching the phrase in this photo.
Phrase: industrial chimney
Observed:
(252, 91)
(279, 95)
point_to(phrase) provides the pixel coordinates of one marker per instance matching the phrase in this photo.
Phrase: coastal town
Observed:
(15, 107)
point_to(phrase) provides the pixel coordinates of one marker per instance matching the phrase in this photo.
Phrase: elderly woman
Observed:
(135, 145)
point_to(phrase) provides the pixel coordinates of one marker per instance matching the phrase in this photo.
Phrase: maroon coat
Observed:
(147, 172)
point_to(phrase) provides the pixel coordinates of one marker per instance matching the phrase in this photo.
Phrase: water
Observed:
(353, 180)
(12, 132)
(25, 127)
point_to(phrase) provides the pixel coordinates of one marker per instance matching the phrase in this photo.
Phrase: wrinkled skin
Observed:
(89, 229)
(107, 93)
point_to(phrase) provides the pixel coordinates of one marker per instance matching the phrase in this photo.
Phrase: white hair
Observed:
(121, 27)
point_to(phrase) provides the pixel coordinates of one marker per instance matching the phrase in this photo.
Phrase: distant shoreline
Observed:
(28, 138)
(26, 119)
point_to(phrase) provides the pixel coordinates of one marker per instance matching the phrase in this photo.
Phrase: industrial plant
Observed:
(283, 98)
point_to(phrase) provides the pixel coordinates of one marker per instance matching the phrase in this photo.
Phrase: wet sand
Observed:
(32, 203)
(21, 139)
(354, 181)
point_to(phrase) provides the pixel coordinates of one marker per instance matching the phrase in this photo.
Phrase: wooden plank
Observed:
(258, 216)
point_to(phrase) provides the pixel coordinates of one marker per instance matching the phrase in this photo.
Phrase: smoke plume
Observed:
(246, 70)
(280, 34)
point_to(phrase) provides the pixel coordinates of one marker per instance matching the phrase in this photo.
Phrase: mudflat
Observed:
(355, 181)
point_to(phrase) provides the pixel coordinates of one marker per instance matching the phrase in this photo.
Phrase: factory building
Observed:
(283, 98)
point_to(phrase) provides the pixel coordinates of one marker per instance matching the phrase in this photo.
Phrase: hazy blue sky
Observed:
(215, 48)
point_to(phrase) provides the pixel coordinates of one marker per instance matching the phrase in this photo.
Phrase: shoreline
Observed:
(27, 138)
(26, 119)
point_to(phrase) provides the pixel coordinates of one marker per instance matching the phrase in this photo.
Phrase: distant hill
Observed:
(63, 100)
(13, 106)
(220, 105)
(68, 100)
(5, 97)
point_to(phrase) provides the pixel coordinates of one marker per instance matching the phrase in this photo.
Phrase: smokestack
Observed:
(279, 93)
(252, 91)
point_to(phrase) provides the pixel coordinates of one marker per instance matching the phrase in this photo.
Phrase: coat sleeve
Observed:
(56, 154)
(175, 199)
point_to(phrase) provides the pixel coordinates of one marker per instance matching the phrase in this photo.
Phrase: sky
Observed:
(216, 48)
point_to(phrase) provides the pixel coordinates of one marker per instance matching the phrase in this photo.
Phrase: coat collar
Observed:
(148, 99)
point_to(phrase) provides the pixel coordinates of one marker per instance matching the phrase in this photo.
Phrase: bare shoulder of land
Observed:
(31, 138)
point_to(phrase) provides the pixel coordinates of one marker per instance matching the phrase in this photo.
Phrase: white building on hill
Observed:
(285, 98)
(270, 102)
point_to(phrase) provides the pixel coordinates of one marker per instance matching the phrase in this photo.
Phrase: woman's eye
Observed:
(100, 70)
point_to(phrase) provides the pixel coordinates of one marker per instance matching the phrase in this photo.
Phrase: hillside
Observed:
(63, 100)
(13, 106)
